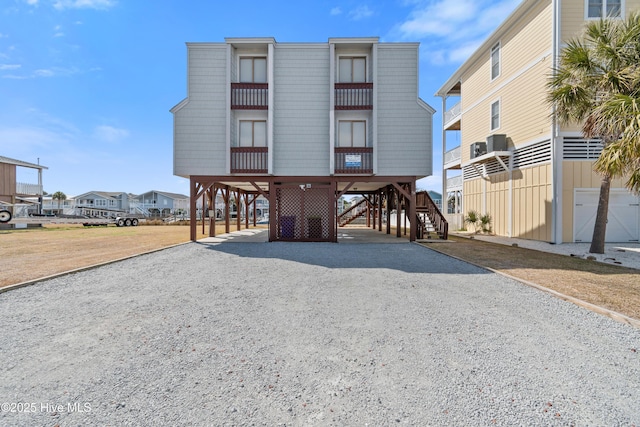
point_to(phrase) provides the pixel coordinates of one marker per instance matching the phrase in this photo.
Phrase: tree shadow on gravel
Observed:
(408, 257)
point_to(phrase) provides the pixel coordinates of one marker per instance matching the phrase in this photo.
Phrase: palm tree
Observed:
(59, 196)
(597, 84)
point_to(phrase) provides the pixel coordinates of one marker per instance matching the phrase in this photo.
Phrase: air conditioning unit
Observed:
(478, 149)
(497, 142)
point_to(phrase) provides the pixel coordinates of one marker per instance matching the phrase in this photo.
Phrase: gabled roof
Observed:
(105, 194)
(166, 194)
(11, 161)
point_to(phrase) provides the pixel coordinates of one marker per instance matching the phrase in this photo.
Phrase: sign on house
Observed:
(353, 160)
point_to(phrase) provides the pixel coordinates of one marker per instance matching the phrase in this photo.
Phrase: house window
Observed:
(495, 115)
(253, 70)
(352, 133)
(495, 61)
(101, 202)
(253, 133)
(352, 70)
(604, 8)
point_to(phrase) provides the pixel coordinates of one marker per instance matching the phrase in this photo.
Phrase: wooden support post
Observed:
(192, 209)
(246, 210)
(333, 230)
(212, 218)
(254, 209)
(398, 197)
(389, 204)
(226, 195)
(204, 206)
(238, 210)
(273, 227)
(412, 213)
(380, 211)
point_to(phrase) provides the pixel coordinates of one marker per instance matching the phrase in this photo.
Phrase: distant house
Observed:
(160, 203)
(14, 194)
(102, 203)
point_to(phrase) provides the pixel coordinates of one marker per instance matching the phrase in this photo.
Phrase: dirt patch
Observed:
(33, 253)
(612, 287)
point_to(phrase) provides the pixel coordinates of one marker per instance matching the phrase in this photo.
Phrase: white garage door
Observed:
(623, 222)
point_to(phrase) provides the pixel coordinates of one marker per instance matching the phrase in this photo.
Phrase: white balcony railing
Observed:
(28, 189)
(453, 156)
(452, 114)
(454, 183)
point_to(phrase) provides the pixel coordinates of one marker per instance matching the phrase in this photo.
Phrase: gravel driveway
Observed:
(308, 334)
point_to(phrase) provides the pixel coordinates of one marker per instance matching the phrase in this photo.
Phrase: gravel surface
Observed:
(308, 334)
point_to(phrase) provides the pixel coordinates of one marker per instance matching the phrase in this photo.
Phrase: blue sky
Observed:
(86, 85)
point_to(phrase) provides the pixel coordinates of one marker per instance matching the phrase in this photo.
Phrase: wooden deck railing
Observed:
(354, 96)
(249, 96)
(424, 203)
(358, 160)
(249, 160)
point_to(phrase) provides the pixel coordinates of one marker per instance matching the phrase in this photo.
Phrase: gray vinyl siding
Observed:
(200, 125)
(404, 127)
(301, 110)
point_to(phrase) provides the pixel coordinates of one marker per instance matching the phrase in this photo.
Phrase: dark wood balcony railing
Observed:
(249, 96)
(249, 160)
(358, 160)
(354, 96)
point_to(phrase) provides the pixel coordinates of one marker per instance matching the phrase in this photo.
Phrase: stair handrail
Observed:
(440, 224)
(344, 214)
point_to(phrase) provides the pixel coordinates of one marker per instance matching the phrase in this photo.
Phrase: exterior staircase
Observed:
(430, 219)
(356, 211)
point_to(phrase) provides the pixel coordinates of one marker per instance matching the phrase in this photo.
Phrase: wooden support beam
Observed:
(226, 195)
(412, 213)
(238, 209)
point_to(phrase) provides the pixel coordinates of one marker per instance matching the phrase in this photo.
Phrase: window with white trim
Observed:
(495, 115)
(352, 69)
(352, 133)
(495, 61)
(253, 133)
(253, 69)
(604, 9)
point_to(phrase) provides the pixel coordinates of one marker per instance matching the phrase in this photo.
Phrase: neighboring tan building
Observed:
(514, 162)
(302, 124)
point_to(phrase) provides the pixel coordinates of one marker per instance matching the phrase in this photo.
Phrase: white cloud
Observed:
(44, 73)
(336, 11)
(361, 12)
(110, 133)
(84, 4)
(32, 2)
(10, 66)
(454, 29)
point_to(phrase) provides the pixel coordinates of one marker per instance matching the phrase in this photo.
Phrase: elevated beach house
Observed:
(303, 124)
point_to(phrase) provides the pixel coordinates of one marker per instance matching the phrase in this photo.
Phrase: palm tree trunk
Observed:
(600, 227)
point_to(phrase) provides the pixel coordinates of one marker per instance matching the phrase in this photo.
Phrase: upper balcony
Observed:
(24, 189)
(249, 160)
(452, 117)
(250, 96)
(354, 96)
(452, 158)
(353, 160)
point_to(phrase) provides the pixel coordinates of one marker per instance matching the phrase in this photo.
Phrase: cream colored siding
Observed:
(525, 63)
(532, 197)
(578, 174)
(497, 204)
(573, 16)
